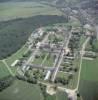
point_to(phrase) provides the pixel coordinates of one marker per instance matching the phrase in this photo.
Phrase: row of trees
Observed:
(32, 76)
(29, 80)
(6, 82)
(63, 80)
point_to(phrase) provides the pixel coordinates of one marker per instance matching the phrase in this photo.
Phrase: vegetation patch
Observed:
(3, 70)
(89, 80)
(13, 10)
(21, 90)
(14, 33)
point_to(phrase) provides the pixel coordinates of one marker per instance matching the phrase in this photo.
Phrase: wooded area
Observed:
(14, 33)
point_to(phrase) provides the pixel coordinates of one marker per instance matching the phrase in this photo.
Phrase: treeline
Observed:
(30, 80)
(14, 33)
(6, 82)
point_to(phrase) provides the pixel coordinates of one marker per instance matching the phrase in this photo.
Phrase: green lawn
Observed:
(49, 62)
(21, 91)
(90, 70)
(3, 70)
(12, 10)
(62, 75)
(89, 79)
(74, 22)
(37, 61)
(59, 96)
(82, 40)
(16, 55)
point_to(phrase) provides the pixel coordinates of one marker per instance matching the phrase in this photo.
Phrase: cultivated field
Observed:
(13, 10)
(89, 79)
(24, 91)
(90, 69)
(21, 91)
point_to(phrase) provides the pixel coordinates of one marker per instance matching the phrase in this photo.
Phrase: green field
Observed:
(59, 96)
(3, 70)
(13, 10)
(49, 62)
(90, 70)
(37, 61)
(89, 79)
(17, 55)
(21, 91)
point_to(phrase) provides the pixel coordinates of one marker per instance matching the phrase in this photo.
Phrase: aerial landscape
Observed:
(48, 49)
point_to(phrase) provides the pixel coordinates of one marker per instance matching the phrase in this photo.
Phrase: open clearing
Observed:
(13, 10)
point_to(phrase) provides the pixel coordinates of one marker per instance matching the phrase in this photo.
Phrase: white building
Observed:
(38, 45)
(40, 31)
(14, 63)
(47, 75)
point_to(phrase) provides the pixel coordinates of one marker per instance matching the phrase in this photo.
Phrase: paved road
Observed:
(36, 50)
(40, 67)
(71, 93)
(60, 57)
(82, 54)
(32, 57)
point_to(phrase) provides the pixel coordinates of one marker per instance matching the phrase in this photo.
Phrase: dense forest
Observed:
(14, 33)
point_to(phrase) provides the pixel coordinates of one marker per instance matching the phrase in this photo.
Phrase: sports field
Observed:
(13, 10)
